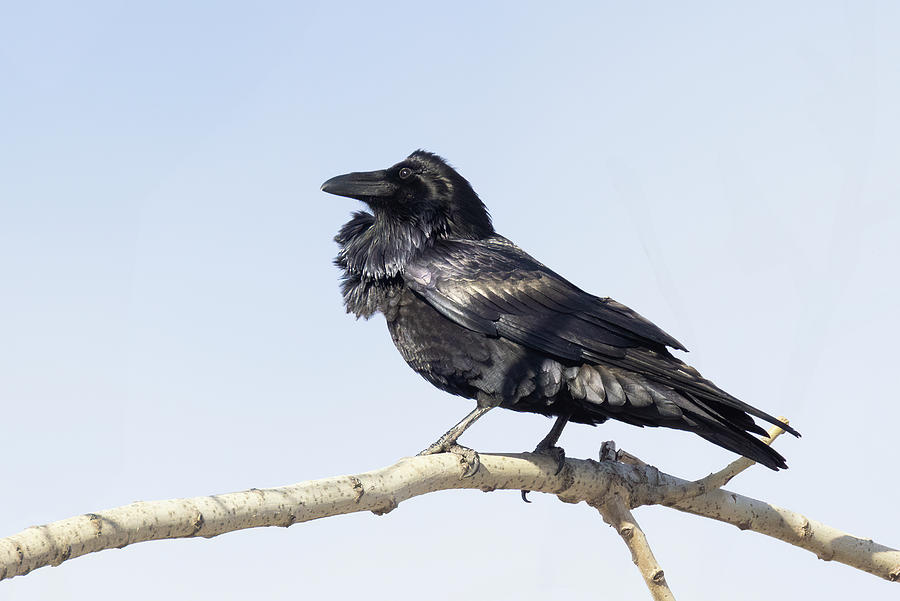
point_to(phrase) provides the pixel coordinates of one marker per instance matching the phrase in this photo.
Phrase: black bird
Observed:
(478, 317)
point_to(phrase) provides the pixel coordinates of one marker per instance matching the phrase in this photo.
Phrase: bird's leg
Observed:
(547, 446)
(549, 441)
(449, 438)
(447, 443)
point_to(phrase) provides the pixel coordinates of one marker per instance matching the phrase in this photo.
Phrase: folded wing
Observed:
(493, 287)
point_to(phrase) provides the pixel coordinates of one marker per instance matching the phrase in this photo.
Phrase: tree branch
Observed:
(829, 544)
(723, 476)
(615, 513)
(382, 490)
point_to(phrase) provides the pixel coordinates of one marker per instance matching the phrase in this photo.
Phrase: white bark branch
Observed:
(723, 476)
(828, 543)
(616, 513)
(382, 490)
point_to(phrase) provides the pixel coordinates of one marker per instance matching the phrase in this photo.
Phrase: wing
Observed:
(493, 287)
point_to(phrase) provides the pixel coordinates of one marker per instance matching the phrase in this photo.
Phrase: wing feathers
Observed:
(493, 287)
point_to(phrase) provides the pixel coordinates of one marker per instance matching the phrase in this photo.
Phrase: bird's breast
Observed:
(459, 360)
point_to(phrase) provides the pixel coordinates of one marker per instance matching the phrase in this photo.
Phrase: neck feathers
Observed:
(378, 248)
(372, 254)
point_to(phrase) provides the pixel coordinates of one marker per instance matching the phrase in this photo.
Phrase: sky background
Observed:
(171, 323)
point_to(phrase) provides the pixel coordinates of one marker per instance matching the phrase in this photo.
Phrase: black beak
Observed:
(361, 186)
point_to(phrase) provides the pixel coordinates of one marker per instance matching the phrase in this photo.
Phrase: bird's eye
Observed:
(405, 173)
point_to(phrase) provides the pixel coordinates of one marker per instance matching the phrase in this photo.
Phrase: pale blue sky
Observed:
(171, 318)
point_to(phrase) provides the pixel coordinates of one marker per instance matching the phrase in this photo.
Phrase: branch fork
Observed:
(613, 487)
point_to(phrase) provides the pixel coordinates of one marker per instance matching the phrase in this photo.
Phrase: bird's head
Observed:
(422, 191)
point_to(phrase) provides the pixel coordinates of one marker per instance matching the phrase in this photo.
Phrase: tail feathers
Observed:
(601, 392)
(749, 447)
(732, 432)
(743, 444)
(662, 367)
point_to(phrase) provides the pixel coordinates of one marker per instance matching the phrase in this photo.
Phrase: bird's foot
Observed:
(469, 461)
(556, 453)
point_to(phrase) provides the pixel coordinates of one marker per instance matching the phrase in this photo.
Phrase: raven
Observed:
(478, 317)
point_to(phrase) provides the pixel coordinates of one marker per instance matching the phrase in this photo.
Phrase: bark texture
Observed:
(614, 487)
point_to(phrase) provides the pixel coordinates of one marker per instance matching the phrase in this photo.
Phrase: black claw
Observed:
(525, 495)
(560, 459)
(472, 465)
(557, 453)
(468, 458)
